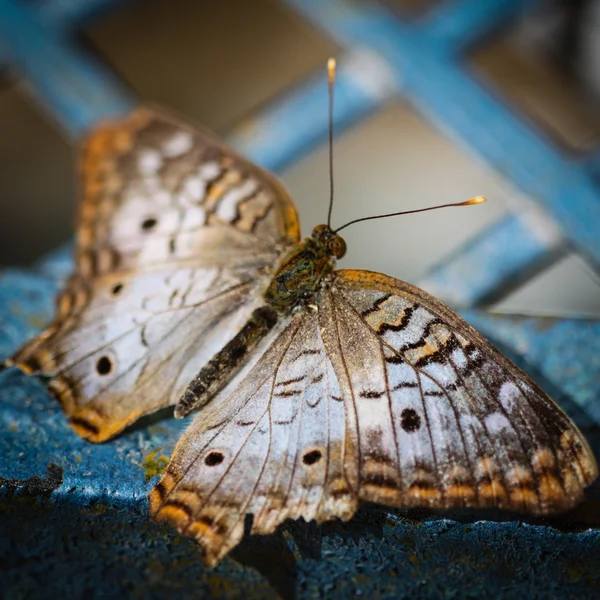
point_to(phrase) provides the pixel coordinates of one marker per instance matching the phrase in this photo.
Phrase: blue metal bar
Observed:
(455, 25)
(493, 264)
(76, 89)
(561, 185)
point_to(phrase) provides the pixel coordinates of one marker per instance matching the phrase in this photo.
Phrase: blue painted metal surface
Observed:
(77, 511)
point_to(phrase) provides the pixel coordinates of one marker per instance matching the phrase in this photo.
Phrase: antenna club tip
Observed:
(475, 200)
(331, 64)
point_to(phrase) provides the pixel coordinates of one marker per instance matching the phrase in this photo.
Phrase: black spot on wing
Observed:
(410, 420)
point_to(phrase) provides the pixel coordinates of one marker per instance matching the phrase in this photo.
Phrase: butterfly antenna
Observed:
(475, 200)
(331, 81)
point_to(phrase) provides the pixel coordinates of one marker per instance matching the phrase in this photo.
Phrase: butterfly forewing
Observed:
(382, 395)
(174, 237)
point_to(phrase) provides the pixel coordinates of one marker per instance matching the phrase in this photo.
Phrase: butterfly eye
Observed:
(337, 246)
(117, 289)
(320, 232)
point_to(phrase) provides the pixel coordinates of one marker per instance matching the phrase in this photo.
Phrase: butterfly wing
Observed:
(174, 238)
(277, 447)
(443, 419)
(384, 395)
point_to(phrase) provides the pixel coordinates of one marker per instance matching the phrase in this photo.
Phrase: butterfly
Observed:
(315, 389)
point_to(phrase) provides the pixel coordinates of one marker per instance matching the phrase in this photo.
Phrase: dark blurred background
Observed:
(218, 62)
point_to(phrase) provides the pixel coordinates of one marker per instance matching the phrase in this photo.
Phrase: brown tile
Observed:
(37, 190)
(212, 61)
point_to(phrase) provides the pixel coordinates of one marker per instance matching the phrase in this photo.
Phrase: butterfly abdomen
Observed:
(218, 371)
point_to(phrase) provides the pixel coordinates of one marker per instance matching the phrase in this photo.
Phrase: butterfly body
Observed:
(318, 389)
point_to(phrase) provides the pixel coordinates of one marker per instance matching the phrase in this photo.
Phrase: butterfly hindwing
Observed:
(470, 428)
(382, 394)
(174, 237)
(276, 448)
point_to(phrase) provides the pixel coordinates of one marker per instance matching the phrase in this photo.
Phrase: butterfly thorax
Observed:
(303, 268)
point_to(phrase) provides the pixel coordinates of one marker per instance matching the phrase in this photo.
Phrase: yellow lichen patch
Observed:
(37, 321)
(154, 464)
(94, 510)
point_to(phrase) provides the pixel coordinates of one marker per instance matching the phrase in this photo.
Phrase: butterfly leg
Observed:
(219, 370)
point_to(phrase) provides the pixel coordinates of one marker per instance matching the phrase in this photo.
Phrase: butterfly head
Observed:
(303, 268)
(330, 240)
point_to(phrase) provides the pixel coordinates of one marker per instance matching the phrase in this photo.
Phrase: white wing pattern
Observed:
(382, 394)
(175, 236)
